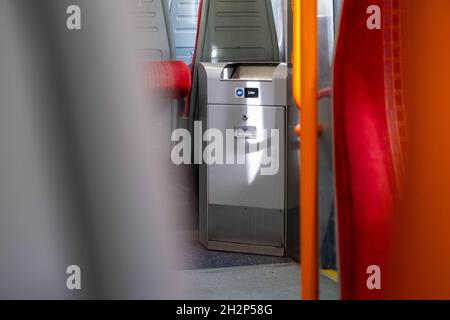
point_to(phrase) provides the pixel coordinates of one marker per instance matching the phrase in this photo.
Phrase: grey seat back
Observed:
(234, 31)
(182, 16)
(237, 31)
(154, 40)
(155, 44)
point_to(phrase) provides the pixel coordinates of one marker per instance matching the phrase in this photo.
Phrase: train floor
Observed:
(224, 275)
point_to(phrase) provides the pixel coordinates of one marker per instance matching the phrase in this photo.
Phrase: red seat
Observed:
(365, 177)
(168, 79)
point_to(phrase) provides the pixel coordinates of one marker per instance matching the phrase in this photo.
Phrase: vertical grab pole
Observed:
(305, 96)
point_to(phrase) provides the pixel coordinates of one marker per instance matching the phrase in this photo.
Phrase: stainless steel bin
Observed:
(243, 198)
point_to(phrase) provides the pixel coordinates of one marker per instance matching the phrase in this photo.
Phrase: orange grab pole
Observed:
(305, 95)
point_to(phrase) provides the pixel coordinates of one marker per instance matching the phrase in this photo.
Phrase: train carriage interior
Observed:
(254, 34)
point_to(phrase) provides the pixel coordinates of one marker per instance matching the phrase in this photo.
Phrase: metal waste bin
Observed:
(242, 198)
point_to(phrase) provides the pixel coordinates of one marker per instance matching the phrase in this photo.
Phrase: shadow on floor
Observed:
(195, 256)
